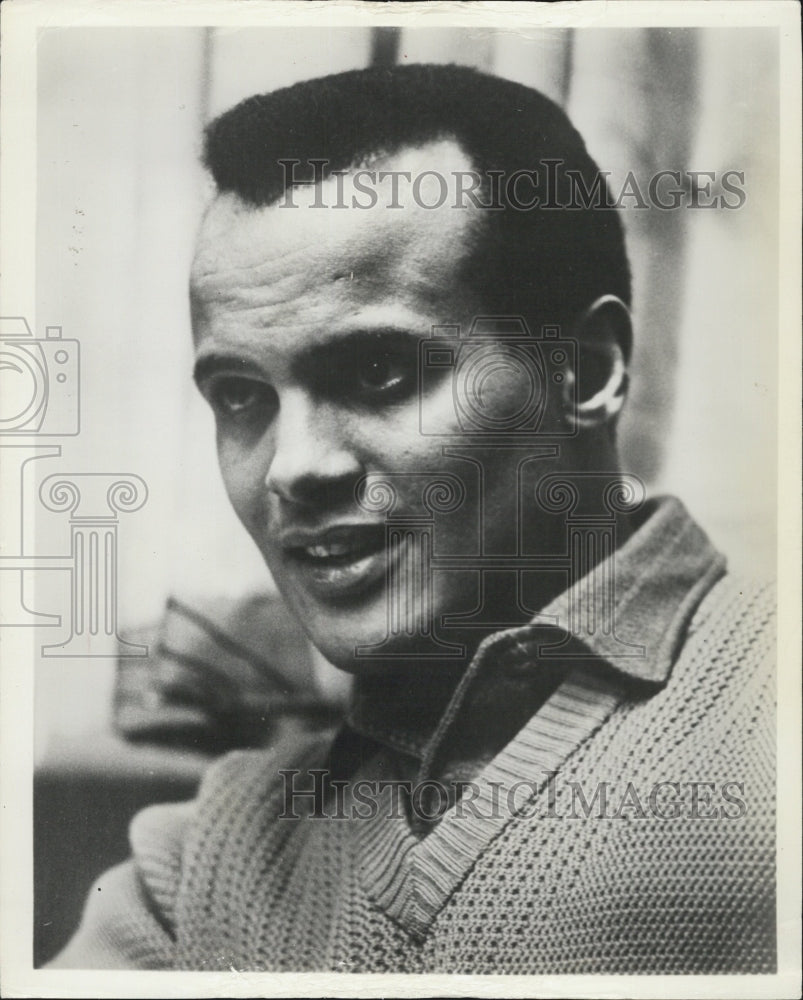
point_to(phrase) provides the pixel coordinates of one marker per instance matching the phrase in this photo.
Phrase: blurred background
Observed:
(120, 193)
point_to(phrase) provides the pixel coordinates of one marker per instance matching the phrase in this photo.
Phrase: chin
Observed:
(339, 630)
(340, 644)
(399, 653)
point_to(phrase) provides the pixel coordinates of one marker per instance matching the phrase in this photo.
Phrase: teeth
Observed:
(326, 551)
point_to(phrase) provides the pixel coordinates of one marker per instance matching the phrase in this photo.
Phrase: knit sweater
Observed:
(627, 827)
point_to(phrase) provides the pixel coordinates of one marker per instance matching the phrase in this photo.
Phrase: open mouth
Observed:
(341, 561)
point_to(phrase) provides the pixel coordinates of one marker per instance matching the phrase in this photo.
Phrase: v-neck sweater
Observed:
(626, 827)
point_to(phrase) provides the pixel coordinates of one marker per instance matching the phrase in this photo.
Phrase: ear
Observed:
(604, 335)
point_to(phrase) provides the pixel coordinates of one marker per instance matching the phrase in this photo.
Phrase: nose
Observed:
(312, 461)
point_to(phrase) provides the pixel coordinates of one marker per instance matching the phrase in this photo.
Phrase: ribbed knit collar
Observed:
(657, 579)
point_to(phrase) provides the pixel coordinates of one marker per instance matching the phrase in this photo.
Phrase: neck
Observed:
(403, 707)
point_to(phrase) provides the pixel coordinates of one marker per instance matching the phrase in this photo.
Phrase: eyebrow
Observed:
(355, 339)
(211, 364)
(315, 356)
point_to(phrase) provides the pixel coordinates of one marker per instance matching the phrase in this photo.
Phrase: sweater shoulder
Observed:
(717, 709)
(246, 776)
(736, 623)
(156, 836)
(746, 601)
(715, 713)
(164, 837)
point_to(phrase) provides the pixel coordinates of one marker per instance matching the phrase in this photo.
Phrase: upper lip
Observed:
(345, 533)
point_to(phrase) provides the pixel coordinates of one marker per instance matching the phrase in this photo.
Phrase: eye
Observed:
(384, 374)
(380, 373)
(233, 396)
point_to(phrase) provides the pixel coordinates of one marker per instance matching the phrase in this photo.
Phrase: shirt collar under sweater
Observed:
(661, 574)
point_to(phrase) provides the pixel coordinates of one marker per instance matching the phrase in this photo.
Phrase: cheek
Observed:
(487, 393)
(243, 477)
(403, 448)
(437, 413)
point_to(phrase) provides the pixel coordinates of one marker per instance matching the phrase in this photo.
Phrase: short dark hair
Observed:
(547, 264)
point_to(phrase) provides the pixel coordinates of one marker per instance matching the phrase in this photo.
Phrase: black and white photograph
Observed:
(400, 454)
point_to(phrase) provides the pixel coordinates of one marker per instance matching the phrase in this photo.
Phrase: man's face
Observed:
(307, 324)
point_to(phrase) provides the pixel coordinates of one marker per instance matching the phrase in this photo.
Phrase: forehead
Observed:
(270, 254)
